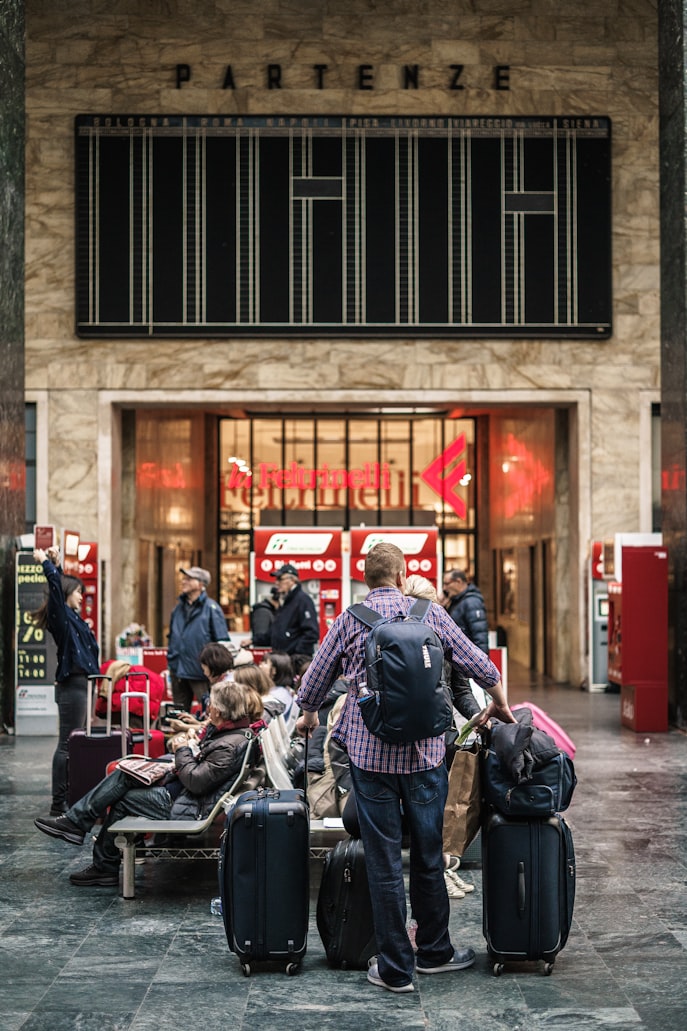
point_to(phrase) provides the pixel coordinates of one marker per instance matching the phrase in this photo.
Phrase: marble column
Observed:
(12, 464)
(673, 141)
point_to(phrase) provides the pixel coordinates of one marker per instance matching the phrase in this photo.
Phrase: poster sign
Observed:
(36, 654)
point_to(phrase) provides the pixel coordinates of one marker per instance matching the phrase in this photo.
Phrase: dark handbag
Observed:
(548, 790)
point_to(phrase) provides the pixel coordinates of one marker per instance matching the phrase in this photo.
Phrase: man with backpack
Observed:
(397, 775)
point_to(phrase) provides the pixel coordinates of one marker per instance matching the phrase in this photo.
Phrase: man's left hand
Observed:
(306, 723)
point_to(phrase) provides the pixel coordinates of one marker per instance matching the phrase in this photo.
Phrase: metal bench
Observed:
(196, 838)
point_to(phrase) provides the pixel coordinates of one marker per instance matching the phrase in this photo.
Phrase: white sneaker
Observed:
(459, 882)
(374, 978)
(454, 892)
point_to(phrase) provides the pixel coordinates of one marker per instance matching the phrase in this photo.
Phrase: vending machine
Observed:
(419, 545)
(316, 554)
(88, 570)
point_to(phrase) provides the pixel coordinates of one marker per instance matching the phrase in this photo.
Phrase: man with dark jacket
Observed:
(262, 617)
(197, 620)
(294, 627)
(465, 605)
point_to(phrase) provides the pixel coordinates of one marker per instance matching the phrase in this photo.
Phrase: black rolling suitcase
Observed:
(89, 751)
(528, 881)
(344, 909)
(264, 877)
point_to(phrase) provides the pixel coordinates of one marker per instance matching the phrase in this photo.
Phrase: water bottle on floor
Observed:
(216, 906)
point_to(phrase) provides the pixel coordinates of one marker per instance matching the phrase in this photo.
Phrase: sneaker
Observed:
(95, 878)
(374, 978)
(454, 892)
(459, 882)
(461, 960)
(60, 827)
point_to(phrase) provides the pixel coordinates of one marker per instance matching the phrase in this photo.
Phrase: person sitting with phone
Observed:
(203, 767)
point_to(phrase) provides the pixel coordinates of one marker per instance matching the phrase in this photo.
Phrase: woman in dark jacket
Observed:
(77, 659)
(202, 770)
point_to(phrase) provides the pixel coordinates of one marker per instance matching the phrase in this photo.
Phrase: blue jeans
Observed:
(72, 698)
(379, 798)
(123, 796)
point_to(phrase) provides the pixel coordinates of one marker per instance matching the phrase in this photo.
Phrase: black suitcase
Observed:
(264, 877)
(528, 880)
(90, 751)
(344, 909)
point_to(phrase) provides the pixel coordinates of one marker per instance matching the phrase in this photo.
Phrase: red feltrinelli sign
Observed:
(369, 485)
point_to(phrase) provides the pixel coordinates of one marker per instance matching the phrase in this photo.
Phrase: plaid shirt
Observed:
(342, 653)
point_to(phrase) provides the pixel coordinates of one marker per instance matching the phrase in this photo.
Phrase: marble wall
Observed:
(12, 499)
(594, 57)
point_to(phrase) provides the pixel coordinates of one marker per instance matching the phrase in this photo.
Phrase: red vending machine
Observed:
(418, 545)
(89, 572)
(638, 638)
(316, 554)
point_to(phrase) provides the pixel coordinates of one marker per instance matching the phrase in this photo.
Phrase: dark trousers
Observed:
(71, 696)
(380, 797)
(115, 797)
(185, 691)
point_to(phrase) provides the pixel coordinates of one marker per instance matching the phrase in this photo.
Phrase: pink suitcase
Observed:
(544, 722)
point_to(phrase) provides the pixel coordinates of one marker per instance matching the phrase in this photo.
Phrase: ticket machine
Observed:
(316, 554)
(419, 545)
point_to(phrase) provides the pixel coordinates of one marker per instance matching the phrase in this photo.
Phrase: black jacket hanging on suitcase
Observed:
(528, 879)
(344, 908)
(264, 877)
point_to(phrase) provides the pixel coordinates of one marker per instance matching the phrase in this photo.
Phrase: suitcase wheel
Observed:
(246, 969)
(291, 969)
(498, 969)
(548, 969)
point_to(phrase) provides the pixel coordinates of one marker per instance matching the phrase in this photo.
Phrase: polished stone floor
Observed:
(86, 959)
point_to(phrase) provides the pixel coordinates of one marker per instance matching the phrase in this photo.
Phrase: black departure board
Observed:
(36, 651)
(228, 226)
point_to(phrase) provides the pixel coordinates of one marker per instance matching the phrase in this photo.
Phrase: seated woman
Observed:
(279, 668)
(255, 678)
(119, 670)
(201, 771)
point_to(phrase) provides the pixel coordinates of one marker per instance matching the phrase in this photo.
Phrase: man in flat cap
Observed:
(294, 627)
(195, 621)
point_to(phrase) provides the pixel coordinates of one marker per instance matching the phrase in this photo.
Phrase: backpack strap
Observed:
(369, 617)
(420, 609)
(365, 614)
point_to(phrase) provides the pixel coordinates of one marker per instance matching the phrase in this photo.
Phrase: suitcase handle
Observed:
(91, 703)
(126, 695)
(521, 888)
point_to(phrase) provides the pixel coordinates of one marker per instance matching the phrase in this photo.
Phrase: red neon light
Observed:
(442, 482)
(527, 477)
(150, 475)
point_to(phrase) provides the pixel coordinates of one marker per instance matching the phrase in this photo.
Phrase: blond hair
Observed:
(420, 587)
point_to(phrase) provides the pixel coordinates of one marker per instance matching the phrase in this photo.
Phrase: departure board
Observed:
(36, 655)
(229, 226)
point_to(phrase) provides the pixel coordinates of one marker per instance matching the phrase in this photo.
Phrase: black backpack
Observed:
(406, 697)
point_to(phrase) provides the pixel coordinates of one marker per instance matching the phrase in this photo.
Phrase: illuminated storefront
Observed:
(345, 471)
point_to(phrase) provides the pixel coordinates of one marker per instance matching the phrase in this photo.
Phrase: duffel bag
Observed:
(548, 790)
